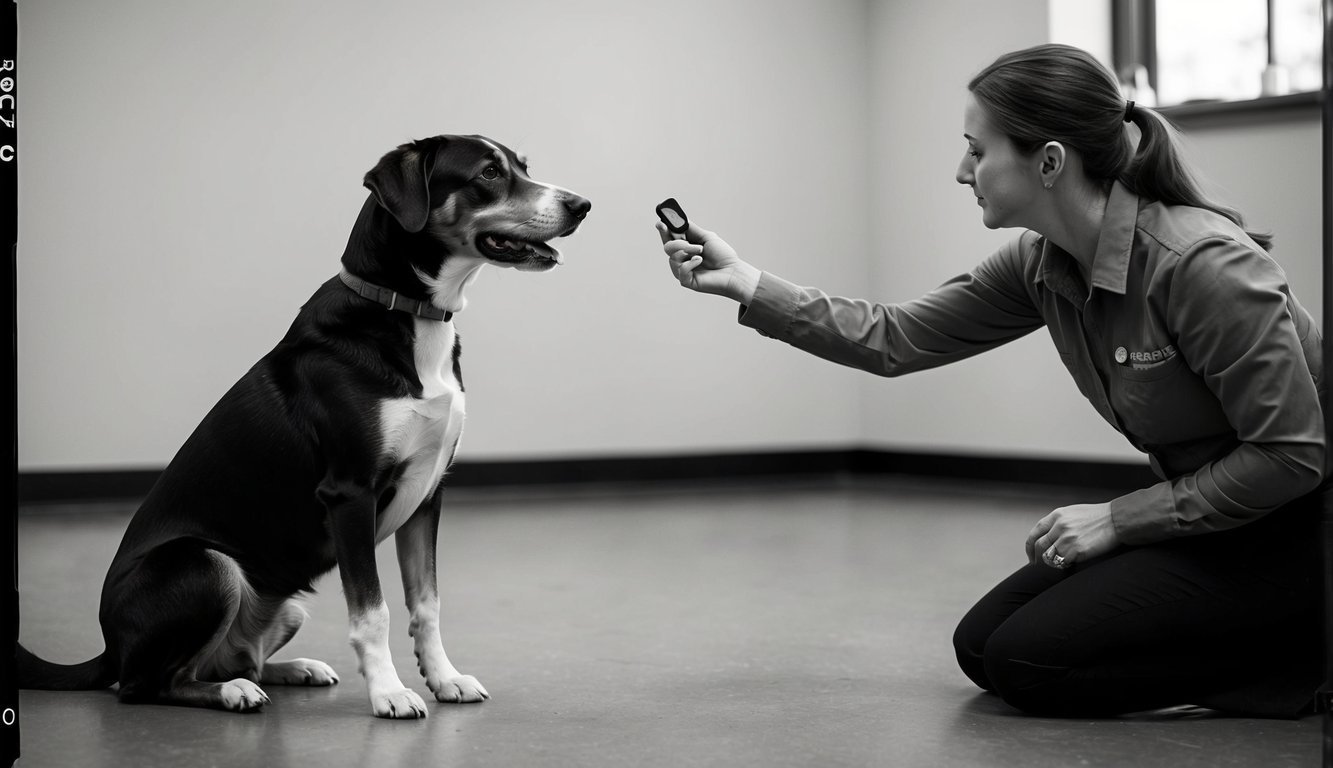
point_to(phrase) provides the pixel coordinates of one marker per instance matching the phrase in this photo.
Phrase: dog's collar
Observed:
(392, 299)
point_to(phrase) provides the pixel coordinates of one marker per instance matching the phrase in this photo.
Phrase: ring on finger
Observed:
(1055, 559)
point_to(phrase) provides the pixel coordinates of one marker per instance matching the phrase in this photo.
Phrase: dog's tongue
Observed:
(546, 251)
(543, 250)
(503, 245)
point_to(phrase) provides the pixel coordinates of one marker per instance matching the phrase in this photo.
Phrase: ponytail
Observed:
(1061, 93)
(1158, 172)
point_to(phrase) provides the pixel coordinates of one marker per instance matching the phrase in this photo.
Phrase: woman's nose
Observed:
(964, 173)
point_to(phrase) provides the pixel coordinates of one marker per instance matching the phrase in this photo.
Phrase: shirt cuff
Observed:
(773, 308)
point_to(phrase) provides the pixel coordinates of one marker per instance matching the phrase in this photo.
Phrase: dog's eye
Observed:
(490, 172)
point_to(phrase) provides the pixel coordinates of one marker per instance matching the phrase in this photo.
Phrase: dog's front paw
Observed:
(402, 704)
(460, 689)
(241, 695)
(298, 672)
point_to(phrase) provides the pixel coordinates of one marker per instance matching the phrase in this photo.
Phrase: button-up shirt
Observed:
(1188, 341)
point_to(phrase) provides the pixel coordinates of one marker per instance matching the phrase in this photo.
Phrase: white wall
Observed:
(187, 178)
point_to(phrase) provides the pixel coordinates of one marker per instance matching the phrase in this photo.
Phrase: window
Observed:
(1172, 52)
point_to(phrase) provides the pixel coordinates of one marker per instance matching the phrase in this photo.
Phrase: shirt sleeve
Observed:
(1235, 326)
(969, 314)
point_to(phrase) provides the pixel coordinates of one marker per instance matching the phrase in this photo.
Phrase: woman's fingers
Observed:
(683, 251)
(1048, 539)
(1074, 533)
(1032, 546)
(1057, 559)
(683, 258)
(684, 269)
(1055, 551)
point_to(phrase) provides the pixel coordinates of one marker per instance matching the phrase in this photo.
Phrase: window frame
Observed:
(1134, 43)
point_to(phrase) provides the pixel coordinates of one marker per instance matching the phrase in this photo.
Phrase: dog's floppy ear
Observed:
(401, 184)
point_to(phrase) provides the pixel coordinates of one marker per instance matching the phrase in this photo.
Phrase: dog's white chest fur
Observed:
(422, 433)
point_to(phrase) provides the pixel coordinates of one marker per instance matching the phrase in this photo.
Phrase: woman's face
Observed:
(1006, 182)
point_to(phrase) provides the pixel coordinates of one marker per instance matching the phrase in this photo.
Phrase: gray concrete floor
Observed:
(765, 625)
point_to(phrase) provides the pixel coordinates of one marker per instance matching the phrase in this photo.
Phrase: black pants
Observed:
(1229, 620)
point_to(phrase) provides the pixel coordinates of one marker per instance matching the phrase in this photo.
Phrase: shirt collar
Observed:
(1110, 263)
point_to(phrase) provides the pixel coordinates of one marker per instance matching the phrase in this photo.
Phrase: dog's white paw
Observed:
(241, 695)
(461, 689)
(299, 672)
(402, 704)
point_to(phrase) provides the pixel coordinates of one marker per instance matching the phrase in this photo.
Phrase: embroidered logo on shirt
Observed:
(1144, 359)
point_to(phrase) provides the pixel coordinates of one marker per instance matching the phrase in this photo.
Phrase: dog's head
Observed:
(464, 201)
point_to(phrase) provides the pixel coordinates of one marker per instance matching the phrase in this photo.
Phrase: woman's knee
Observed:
(1032, 688)
(969, 645)
(1022, 674)
(998, 661)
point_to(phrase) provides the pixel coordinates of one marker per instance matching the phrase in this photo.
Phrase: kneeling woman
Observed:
(1183, 333)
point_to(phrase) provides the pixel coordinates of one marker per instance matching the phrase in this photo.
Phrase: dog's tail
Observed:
(40, 674)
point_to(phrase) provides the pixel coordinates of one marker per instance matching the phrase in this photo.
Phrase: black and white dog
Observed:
(332, 442)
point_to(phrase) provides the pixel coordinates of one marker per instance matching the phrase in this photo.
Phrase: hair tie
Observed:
(1129, 112)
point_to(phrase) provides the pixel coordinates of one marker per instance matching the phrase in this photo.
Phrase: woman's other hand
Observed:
(1072, 534)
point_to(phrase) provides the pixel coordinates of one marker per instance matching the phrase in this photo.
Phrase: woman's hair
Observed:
(1061, 93)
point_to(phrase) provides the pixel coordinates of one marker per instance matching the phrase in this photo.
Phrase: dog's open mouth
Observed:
(512, 250)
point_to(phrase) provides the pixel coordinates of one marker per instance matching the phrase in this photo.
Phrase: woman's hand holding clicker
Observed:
(705, 262)
(1072, 534)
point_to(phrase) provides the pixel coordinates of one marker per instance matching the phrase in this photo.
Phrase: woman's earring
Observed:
(1047, 185)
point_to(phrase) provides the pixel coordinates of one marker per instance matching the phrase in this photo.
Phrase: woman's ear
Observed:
(1052, 156)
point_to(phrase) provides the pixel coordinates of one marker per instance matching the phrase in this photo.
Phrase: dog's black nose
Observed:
(578, 206)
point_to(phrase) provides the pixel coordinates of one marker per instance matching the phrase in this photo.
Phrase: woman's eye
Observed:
(491, 172)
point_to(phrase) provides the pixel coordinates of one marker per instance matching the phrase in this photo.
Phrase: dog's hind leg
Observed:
(289, 618)
(261, 625)
(169, 616)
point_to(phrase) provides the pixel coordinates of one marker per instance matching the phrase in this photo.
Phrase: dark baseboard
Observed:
(75, 487)
(1101, 475)
(112, 485)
